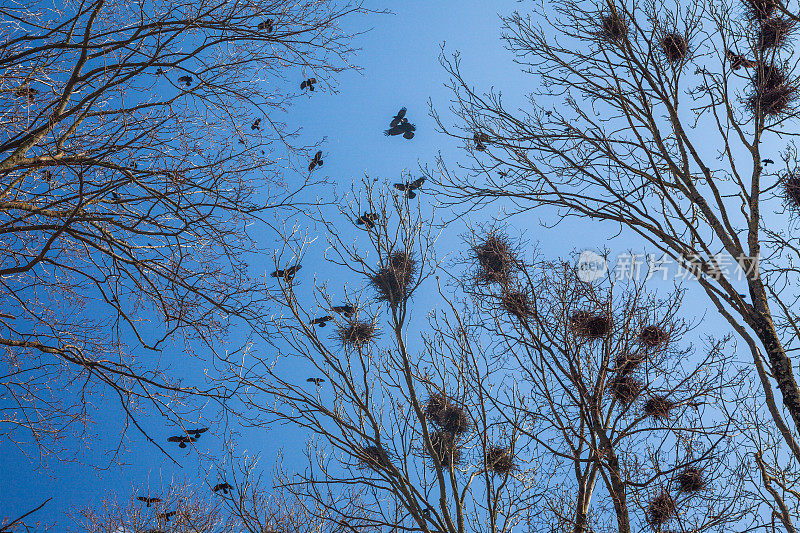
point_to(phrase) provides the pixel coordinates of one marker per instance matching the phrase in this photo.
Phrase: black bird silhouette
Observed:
(405, 128)
(481, 140)
(197, 432)
(316, 381)
(738, 61)
(346, 310)
(159, 71)
(288, 273)
(266, 25)
(367, 219)
(398, 118)
(256, 125)
(224, 487)
(767, 161)
(47, 175)
(410, 187)
(187, 80)
(321, 321)
(148, 501)
(166, 516)
(241, 141)
(308, 84)
(182, 439)
(316, 162)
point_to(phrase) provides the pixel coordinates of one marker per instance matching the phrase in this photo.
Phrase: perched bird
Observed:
(148, 501)
(224, 487)
(398, 118)
(405, 128)
(316, 381)
(308, 84)
(266, 25)
(196, 432)
(316, 162)
(186, 79)
(738, 61)
(481, 140)
(767, 161)
(288, 273)
(367, 219)
(167, 516)
(256, 125)
(182, 439)
(322, 321)
(410, 187)
(346, 310)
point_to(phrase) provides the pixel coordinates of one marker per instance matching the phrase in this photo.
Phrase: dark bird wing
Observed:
(312, 165)
(344, 309)
(318, 155)
(394, 130)
(408, 135)
(312, 81)
(417, 183)
(177, 438)
(196, 431)
(303, 85)
(142, 499)
(398, 117)
(277, 274)
(219, 486)
(767, 161)
(292, 270)
(401, 186)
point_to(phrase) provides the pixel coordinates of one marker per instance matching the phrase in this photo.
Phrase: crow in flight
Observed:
(398, 118)
(316, 381)
(148, 501)
(197, 432)
(321, 321)
(224, 487)
(316, 162)
(287, 274)
(739, 61)
(187, 80)
(367, 219)
(182, 439)
(346, 310)
(266, 25)
(481, 140)
(409, 187)
(308, 84)
(256, 125)
(405, 128)
(167, 516)
(767, 161)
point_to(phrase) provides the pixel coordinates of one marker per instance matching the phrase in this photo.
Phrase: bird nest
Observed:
(374, 457)
(391, 282)
(589, 326)
(516, 303)
(445, 447)
(658, 407)
(675, 47)
(613, 27)
(691, 480)
(653, 336)
(496, 259)
(773, 93)
(791, 188)
(661, 509)
(447, 415)
(628, 362)
(625, 388)
(774, 33)
(760, 10)
(499, 460)
(356, 333)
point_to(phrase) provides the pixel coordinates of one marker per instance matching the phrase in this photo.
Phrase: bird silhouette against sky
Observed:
(256, 125)
(316, 381)
(187, 80)
(149, 501)
(346, 310)
(288, 273)
(405, 128)
(410, 187)
(224, 487)
(367, 219)
(308, 84)
(738, 61)
(266, 25)
(321, 321)
(398, 118)
(481, 140)
(316, 161)
(166, 516)
(197, 432)
(767, 161)
(181, 440)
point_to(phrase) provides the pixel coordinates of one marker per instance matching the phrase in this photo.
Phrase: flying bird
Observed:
(322, 321)
(197, 432)
(224, 487)
(182, 439)
(410, 187)
(27, 92)
(398, 118)
(148, 501)
(316, 381)
(738, 61)
(266, 25)
(316, 162)
(346, 310)
(167, 516)
(405, 128)
(187, 80)
(256, 125)
(481, 140)
(288, 273)
(367, 219)
(767, 161)
(308, 84)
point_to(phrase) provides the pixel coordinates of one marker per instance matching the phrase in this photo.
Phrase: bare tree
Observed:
(141, 141)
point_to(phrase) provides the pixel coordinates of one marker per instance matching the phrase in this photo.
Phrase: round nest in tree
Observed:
(516, 303)
(356, 333)
(613, 27)
(675, 47)
(374, 457)
(772, 102)
(658, 407)
(691, 480)
(791, 188)
(760, 10)
(625, 388)
(768, 77)
(446, 448)
(589, 326)
(495, 257)
(447, 415)
(499, 460)
(628, 362)
(661, 509)
(391, 282)
(653, 336)
(774, 33)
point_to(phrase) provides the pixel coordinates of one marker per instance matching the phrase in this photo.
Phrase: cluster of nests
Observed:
(497, 262)
(625, 388)
(673, 45)
(451, 422)
(393, 281)
(663, 507)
